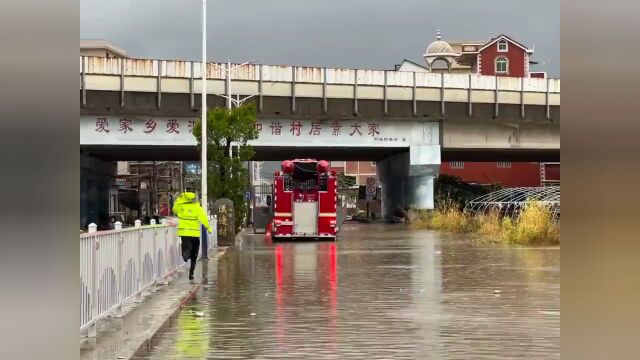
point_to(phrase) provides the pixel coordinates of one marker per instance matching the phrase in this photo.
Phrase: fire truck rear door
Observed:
(305, 218)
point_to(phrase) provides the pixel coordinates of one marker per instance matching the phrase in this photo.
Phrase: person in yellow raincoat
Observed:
(190, 216)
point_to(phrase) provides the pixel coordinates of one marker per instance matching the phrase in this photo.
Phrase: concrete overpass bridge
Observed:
(408, 122)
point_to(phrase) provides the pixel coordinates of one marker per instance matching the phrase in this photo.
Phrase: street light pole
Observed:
(229, 98)
(228, 73)
(228, 70)
(203, 71)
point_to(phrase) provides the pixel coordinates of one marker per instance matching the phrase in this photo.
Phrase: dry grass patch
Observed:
(534, 225)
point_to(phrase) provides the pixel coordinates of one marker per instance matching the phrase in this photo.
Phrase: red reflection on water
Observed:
(327, 275)
(280, 322)
(330, 279)
(333, 261)
(278, 253)
(333, 322)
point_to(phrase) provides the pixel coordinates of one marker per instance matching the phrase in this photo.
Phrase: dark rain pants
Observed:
(190, 248)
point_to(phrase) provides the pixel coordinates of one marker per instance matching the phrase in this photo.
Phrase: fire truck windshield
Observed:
(305, 176)
(304, 171)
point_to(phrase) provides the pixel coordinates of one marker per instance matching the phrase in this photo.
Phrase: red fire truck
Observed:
(304, 201)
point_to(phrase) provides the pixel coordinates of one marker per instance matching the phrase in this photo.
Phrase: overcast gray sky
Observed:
(373, 34)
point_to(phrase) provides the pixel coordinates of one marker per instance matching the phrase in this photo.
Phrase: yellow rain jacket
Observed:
(190, 215)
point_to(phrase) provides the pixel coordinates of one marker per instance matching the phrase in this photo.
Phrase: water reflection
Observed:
(192, 339)
(382, 292)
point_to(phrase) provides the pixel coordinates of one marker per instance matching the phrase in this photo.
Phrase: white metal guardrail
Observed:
(183, 77)
(118, 265)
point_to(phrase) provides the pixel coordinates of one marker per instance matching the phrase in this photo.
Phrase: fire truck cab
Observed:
(304, 201)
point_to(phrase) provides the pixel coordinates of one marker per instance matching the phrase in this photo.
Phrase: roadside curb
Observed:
(152, 335)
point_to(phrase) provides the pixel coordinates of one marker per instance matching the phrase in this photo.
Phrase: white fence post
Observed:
(165, 252)
(119, 270)
(154, 255)
(138, 224)
(93, 328)
(113, 268)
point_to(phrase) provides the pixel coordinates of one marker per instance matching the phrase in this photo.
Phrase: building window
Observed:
(456, 164)
(503, 46)
(502, 65)
(504, 164)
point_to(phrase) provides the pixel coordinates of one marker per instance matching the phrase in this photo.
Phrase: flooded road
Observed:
(381, 292)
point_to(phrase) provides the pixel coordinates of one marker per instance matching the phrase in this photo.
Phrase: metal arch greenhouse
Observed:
(512, 200)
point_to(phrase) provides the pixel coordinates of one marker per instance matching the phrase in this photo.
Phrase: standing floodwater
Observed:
(381, 291)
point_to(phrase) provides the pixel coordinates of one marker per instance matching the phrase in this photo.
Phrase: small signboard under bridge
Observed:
(371, 188)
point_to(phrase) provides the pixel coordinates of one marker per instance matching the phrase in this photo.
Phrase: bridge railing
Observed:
(117, 266)
(312, 75)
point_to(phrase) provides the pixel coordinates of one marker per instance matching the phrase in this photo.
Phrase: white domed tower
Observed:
(439, 50)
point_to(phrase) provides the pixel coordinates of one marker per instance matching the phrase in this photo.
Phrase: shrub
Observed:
(534, 225)
(490, 224)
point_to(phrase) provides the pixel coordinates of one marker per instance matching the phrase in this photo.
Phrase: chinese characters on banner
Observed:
(270, 131)
(172, 126)
(101, 125)
(148, 126)
(276, 128)
(315, 128)
(125, 125)
(352, 129)
(296, 126)
(335, 127)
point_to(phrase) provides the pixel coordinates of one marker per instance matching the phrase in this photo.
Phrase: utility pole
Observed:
(153, 189)
(181, 177)
(228, 82)
(229, 99)
(170, 192)
(203, 70)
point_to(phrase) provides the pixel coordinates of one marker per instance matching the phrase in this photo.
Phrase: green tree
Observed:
(226, 176)
(345, 182)
(454, 189)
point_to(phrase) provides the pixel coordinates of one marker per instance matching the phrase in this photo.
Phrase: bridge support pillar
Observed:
(407, 179)
(420, 191)
(95, 189)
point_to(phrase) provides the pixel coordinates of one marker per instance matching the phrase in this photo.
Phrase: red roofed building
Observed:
(500, 56)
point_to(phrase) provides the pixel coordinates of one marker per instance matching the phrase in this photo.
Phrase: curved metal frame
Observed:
(511, 201)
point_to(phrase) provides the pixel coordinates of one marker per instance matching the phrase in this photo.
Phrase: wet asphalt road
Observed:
(381, 292)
